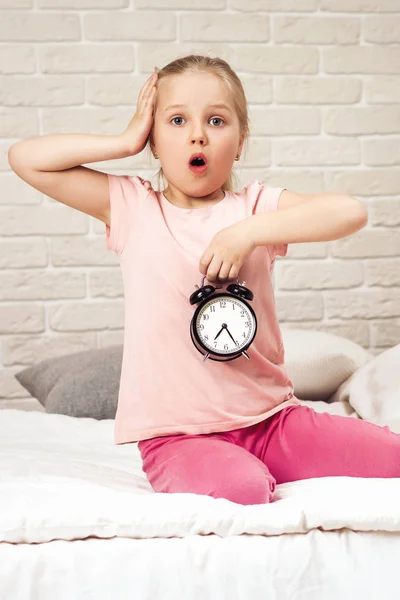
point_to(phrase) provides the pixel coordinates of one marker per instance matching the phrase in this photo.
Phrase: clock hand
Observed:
(219, 332)
(229, 333)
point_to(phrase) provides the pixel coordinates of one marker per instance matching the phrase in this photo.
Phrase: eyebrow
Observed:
(209, 106)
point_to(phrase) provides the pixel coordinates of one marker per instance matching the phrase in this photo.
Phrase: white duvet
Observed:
(63, 478)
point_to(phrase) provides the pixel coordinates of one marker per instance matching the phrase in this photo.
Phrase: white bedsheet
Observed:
(63, 478)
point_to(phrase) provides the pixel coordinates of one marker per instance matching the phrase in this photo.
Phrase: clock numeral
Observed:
(215, 344)
(226, 347)
(201, 327)
(205, 317)
(222, 303)
(206, 337)
(242, 313)
(247, 324)
(212, 308)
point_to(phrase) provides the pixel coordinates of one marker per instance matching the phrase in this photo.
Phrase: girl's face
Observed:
(197, 126)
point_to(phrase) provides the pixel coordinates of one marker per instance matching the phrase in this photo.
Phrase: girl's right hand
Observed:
(138, 130)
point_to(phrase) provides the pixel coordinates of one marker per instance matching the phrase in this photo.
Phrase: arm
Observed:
(52, 165)
(312, 218)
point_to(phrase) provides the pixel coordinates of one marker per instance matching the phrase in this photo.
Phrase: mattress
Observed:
(79, 520)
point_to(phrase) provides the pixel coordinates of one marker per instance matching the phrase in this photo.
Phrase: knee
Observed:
(254, 490)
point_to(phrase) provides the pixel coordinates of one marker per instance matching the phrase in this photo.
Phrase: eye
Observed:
(213, 119)
(217, 119)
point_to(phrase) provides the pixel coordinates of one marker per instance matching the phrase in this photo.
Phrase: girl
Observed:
(229, 429)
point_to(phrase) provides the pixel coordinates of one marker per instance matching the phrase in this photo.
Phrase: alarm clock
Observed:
(224, 324)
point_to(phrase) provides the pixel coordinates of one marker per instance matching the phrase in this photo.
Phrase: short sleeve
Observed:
(268, 200)
(125, 193)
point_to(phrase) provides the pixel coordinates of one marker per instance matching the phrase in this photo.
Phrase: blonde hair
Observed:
(217, 66)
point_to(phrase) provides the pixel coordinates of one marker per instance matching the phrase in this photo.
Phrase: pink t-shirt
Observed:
(166, 388)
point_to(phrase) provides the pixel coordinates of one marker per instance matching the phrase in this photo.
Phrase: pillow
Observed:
(318, 362)
(83, 384)
(374, 390)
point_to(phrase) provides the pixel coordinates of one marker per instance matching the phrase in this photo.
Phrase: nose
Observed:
(198, 135)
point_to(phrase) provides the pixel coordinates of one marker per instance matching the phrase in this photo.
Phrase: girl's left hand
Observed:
(226, 252)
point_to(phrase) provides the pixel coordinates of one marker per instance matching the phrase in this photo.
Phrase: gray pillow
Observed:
(84, 384)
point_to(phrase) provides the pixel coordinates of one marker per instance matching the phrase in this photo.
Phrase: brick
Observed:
(224, 27)
(356, 330)
(318, 90)
(303, 181)
(368, 243)
(385, 332)
(16, 4)
(111, 90)
(86, 120)
(110, 338)
(22, 317)
(120, 26)
(157, 54)
(258, 154)
(17, 59)
(363, 120)
(20, 254)
(19, 122)
(83, 4)
(384, 212)
(86, 316)
(316, 30)
(382, 272)
(284, 121)
(382, 30)
(275, 59)
(360, 5)
(13, 190)
(299, 152)
(274, 5)
(320, 275)
(41, 285)
(30, 26)
(362, 304)
(29, 350)
(93, 58)
(84, 252)
(366, 182)
(106, 284)
(381, 152)
(41, 220)
(299, 306)
(362, 59)
(258, 89)
(4, 148)
(383, 89)
(180, 4)
(41, 91)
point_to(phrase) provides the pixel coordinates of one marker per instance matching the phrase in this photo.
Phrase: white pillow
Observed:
(318, 362)
(374, 390)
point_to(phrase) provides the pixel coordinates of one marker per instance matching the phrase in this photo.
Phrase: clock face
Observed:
(225, 324)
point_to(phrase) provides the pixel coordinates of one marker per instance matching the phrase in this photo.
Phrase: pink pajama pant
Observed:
(244, 465)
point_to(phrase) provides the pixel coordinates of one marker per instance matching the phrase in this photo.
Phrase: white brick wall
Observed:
(322, 78)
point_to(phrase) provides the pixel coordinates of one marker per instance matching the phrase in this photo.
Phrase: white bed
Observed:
(79, 520)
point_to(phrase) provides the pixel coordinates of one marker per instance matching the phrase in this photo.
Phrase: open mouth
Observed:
(197, 162)
(198, 165)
